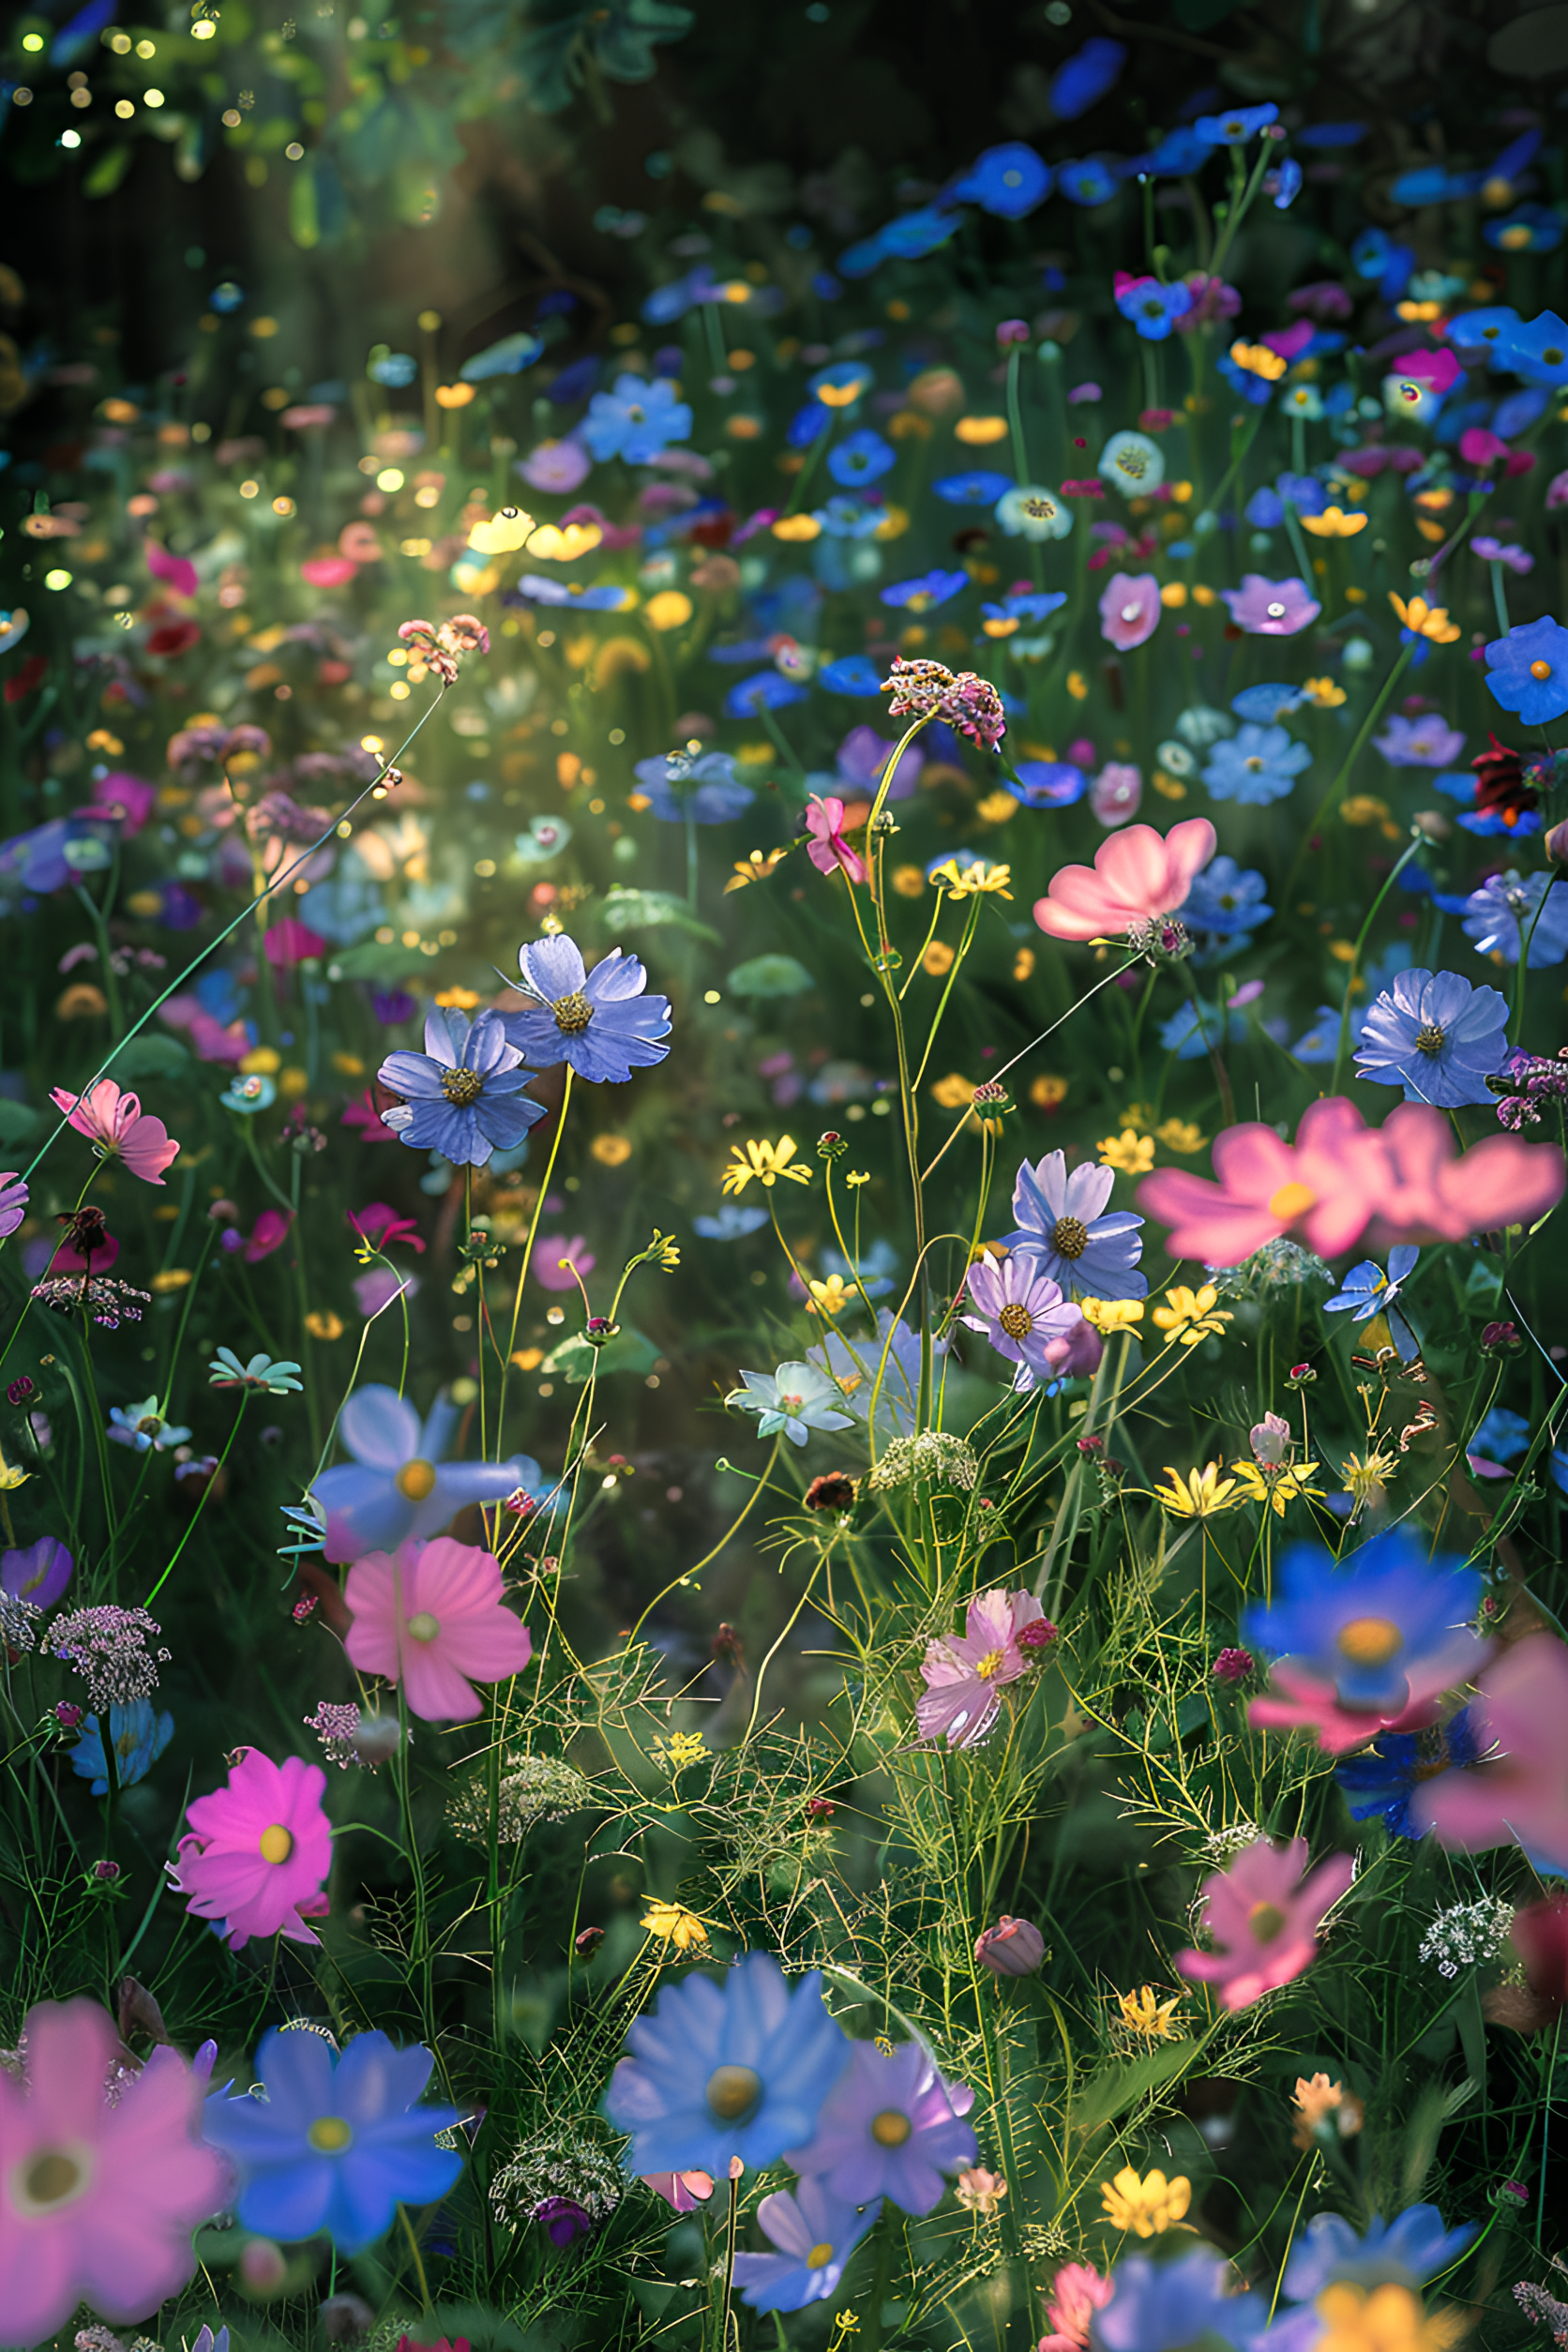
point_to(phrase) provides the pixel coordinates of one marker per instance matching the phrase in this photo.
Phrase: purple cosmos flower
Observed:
(1427, 742)
(464, 1094)
(815, 2233)
(591, 1019)
(964, 1672)
(1518, 559)
(13, 1201)
(862, 757)
(1130, 610)
(1435, 1036)
(1022, 1311)
(1507, 908)
(1270, 608)
(1528, 670)
(398, 1485)
(705, 788)
(889, 2127)
(39, 1574)
(1061, 1227)
(556, 465)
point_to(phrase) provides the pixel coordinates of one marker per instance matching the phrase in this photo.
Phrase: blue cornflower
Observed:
(730, 1223)
(337, 2144)
(1407, 2250)
(1304, 491)
(1008, 181)
(1225, 898)
(398, 1486)
(1539, 352)
(1159, 2306)
(140, 1737)
(1087, 183)
(1383, 1628)
(1086, 77)
(797, 1398)
(887, 1368)
(1259, 765)
(1014, 609)
(598, 1021)
(815, 2233)
(1381, 1779)
(1526, 671)
(767, 691)
(1235, 128)
(1153, 308)
(861, 457)
(1375, 255)
(717, 2071)
(1491, 331)
(1194, 1030)
(1507, 908)
(1530, 229)
(852, 674)
(846, 518)
(1367, 1290)
(637, 421)
(1499, 1436)
(707, 790)
(1264, 704)
(923, 595)
(463, 1094)
(1047, 783)
(1062, 1228)
(1435, 1036)
(807, 425)
(977, 488)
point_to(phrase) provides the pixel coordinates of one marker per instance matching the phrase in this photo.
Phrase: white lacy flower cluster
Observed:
(1468, 1934)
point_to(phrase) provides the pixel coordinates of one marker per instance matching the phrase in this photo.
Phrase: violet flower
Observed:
(889, 2127)
(1270, 608)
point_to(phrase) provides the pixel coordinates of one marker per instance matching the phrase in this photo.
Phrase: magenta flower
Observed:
(890, 2128)
(1264, 1917)
(430, 1616)
(1078, 2293)
(292, 942)
(1270, 608)
(119, 1128)
(1518, 1796)
(259, 1850)
(1130, 610)
(1139, 880)
(98, 2202)
(828, 849)
(1021, 1311)
(555, 1257)
(964, 1672)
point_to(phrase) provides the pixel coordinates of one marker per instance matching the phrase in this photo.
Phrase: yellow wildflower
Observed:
(11, 1479)
(754, 868)
(1365, 1475)
(1167, 786)
(1189, 1316)
(172, 1279)
(673, 1925)
(801, 527)
(1047, 1091)
(528, 1359)
(1323, 693)
(768, 1162)
(953, 1092)
(681, 1749)
(1388, 2319)
(1425, 619)
(1152, 2020)
(1023, 963)
(996, 809)
(938, 959)
(1319, 2103)
(908, 881)
(979, 2191)
(856, 1177)
(611, 1150)
(832, 1297)
(1203, 1495)
(1257, 359)
(980, 432)
(1148, 2206)
(460, 1000)
(1131, 1152)
(1334, 523)
(1181, 1135)
(1276, 1484)
(323, 1324)
(970, 882)
(1077, 685)
(1109, 1315)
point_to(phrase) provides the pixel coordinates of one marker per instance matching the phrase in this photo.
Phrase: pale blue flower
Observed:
(797, 1398)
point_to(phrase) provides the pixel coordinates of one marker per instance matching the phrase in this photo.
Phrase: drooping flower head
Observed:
(599, 1021)
(119, 1128)
(1138, 878)
(815, 2233)
(891, 2127)
(965, 1673)
(259, 1850)
(1264, 1918)
(1070, 1236)
(430, 1617)
(398, 1486)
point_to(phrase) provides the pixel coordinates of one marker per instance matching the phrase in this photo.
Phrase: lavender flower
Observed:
(1435, 1036)
(889, 2127)
(109, 1647)
(1022, 1311)
(1270, 608)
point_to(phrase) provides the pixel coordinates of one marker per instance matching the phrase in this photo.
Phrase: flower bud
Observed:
(1556, 844)
(1233, 1665)
(265, 2269)
(1012, 1948)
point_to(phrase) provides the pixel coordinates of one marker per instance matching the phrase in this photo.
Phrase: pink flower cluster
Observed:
(442, 648)
(928, 689)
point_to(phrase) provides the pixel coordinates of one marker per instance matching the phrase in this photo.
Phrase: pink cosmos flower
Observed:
(1436, 1193)
(1264, 1917)
(964, 1672)
(1270, 608)
(828, 848)
(380, 1226)
(685, 2191)
(120, 1128)
(430, 1615)
(1130, 610)
(1078, 2293)
(1325, 1186)
(1116, 793)
(98, 2202)
(271, 1231)
(1139, 877)
(329, 571)
(176, 571)
(292, 941)
(548, 1252)
(1439, 371)
(259, 1850)
(1519, 1795)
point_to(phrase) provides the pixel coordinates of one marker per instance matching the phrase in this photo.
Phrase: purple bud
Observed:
(1012, 1948)
(106, 1872)
(1233, 1665)
(66, 1716)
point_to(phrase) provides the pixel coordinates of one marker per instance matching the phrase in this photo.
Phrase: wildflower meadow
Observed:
(783, 944)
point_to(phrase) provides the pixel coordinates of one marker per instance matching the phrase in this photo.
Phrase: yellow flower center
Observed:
(1370, 1640)
(892, 2128)
(329, 2136)
(1290, 1201)
(1071, 1237)
(50, 2177)
(461, 1087)
(819, 2255)
(1541, 670)
(1266, 1921)
(415, 1480)
(572, 1012)
(1016, 1321)
(276, 1844)
(423, 1627)
(733, 2092)
(988, 1664)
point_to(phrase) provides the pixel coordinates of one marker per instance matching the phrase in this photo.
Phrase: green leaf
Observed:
(17, 1123)
(643, 910)
(630, 1351)
(770, 976)
(1111, 2089)
(108, 172)
(148, 1056)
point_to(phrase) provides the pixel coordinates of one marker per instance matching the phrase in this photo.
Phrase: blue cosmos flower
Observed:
(1259, 765)
(766, 691)
(1194, 1030)
(1375, 255)
(891, 2126)
(861, 457)
(1253, 388)
(797, 1398)
(1264, 704)
(852, 674)
(1506, 909)
(730, 1223)
(1367, 1290)
(1159, 2306)
(1435, 1035)
(1225, 898)
(1153, 308)
(706, 789)
(397, 1485)
(878, 1266)
(140, 1737)
(1375, 1625)
(923, 595)
(1235, 128)
(637, 421)
(915, 234)
(737, 2068)
(1265, 512)
(1304, 491)
(1179, 153)
(463, 1094)
(1086, 77)
(1380, 1780)
(1526, 671)
(1532, 229)
(1490, 331)
(337, 2145)
(1088, 182)
(1047, 783)
(886, 1368)
(1062, 1225)
(1499, 1436)
(598, 1021)
(977, 489)
(1038, 606)
(1008, 181)
(1539, 352)
(816, 2233)
(846, 518)
(1407, 2250)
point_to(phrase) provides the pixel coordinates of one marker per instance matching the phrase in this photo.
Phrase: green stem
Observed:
(196, 1515)
(1358, 746)
(1355, 960)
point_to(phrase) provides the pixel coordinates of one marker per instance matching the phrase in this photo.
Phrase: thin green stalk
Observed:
(206, 1491)
(1355, 961)
(1362, 736)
